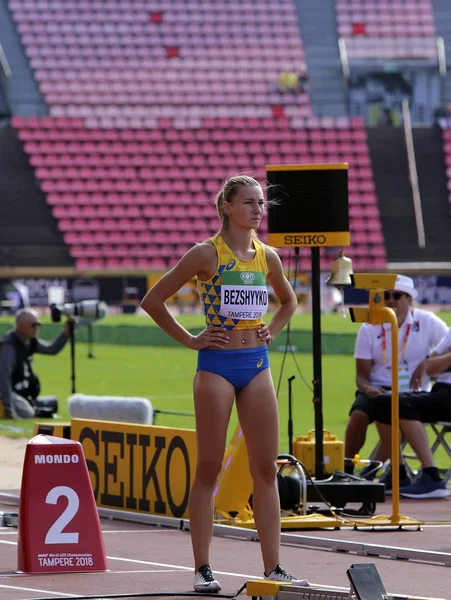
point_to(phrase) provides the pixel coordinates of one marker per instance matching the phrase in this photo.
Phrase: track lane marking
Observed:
(38, 591)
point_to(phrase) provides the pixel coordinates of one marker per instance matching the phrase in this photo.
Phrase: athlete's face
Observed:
(247, 207)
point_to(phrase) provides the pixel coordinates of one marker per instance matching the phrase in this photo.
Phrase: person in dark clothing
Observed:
(19, 386)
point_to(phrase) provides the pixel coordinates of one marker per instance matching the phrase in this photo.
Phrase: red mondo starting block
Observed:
(59, 527)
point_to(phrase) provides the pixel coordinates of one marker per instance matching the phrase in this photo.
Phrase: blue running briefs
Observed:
(238, 367)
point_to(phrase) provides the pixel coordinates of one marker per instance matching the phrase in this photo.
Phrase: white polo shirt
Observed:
(417, 336)
(443, 347)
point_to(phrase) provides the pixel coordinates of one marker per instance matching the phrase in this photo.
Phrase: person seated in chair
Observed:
(19, 386)
(417, 408)
(419, 332)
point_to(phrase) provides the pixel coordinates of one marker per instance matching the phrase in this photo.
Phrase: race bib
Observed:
(243, 295)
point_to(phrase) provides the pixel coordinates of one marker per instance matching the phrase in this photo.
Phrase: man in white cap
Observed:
(416, 408)
(419, 332)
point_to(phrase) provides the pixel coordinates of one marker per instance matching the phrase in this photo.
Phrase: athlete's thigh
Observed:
(258, 415)
(213, 401)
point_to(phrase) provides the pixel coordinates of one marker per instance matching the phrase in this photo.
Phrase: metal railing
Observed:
(344, 58)
(441, 56)
(442, 67)
(5, 77)
(413, 175)
(345, 70)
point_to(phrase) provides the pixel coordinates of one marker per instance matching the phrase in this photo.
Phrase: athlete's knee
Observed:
(264, 471)
(207, 471)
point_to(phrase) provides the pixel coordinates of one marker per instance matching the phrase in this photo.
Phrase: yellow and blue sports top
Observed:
(236, 297)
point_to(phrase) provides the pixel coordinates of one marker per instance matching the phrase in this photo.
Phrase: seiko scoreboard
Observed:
(308, 205)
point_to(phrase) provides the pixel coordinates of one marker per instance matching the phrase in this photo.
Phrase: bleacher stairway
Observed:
(320, 42)
(391, 174)
(434, 195)
(24, 96)
(29, 235)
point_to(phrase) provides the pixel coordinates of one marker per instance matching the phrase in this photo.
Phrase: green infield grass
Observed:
(164, 376)
(330, 323)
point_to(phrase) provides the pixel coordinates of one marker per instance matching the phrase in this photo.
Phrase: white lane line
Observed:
(139, 571)
(37, 591)
(155, 564)
(139, 531)
(169, 566)
(148, 562)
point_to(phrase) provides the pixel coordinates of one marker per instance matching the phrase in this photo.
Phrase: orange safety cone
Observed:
(59, 527)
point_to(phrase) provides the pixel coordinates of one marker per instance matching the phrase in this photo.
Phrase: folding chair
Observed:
(441, 428)
(412, 469)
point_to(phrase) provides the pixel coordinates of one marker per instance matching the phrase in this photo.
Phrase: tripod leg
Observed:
(72, 356)
(90, 341)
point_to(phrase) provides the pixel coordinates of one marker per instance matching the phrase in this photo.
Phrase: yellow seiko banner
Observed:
(140, 468)
(321, 238)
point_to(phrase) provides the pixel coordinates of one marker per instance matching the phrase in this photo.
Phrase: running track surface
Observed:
(149, 559)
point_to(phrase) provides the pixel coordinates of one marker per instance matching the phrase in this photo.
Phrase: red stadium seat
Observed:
(139, 140)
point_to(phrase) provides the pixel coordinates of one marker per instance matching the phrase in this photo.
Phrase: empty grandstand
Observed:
(150, 105)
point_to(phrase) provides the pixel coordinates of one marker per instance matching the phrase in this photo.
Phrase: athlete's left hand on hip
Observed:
(264, 334)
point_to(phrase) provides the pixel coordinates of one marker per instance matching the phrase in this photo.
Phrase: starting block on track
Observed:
(366, 584)
(269, 590)
(59, 527)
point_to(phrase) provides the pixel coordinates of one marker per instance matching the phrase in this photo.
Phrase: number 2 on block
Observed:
(55, 534)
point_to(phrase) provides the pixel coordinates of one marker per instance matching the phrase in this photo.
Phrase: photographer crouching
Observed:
(19, 386)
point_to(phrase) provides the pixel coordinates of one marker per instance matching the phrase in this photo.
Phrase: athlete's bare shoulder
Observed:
(202, 251)
(206, 258)
(205, 246)
(272, 256)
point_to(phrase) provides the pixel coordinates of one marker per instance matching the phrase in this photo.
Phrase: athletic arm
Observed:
(196, 260)
(283, 291)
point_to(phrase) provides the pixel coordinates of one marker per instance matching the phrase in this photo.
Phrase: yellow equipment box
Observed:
(333, 450)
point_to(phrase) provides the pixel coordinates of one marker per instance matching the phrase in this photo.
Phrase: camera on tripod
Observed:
(86, 310)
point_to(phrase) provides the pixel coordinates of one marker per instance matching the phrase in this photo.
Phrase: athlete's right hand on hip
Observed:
(211, 337)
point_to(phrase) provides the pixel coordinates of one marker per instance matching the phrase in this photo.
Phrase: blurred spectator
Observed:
(288, 82)
(303, 82)
(442, 115)
(385, 116)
